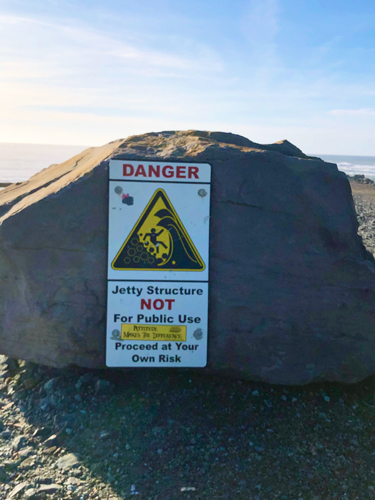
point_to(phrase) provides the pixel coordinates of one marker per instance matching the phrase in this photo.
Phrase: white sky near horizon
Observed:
(92, 72)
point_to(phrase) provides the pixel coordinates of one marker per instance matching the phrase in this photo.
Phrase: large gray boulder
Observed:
(292, 288)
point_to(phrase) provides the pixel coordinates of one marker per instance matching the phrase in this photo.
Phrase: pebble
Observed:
(103, 386)
(49, 488)
(26, 452)
(2, 473)
(41, 432)
(28, 462)
(65, 419)
(17, 489)
(5, 434)
(84, 380)
(45, 404)
(51, 441)
(74, 481)
(10, 465)
(105, 435)
(19, 442)
(67, 461)
(49, 451)
(12, 365)
(30, 383)
(50, 385)
(30, 494)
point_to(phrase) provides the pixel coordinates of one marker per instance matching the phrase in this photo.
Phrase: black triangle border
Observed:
(144, 214)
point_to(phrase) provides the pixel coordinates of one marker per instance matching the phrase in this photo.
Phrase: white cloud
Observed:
(73, 82)
(53, 49)
(64, 82)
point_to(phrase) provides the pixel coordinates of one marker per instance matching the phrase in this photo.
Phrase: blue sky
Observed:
(87, 72)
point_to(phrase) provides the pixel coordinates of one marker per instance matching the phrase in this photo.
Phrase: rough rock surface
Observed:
(360, 179)
(292, 287)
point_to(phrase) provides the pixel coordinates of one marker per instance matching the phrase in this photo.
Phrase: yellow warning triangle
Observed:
(158, 241)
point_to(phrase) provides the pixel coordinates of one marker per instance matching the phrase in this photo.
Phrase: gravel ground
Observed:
(168, 435)
(364, 199)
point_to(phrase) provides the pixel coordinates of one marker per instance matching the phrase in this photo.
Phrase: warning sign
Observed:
(158, 256)
(158, 241)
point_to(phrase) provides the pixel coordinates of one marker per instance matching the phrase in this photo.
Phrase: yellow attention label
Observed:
(165, 333)
(158, 241)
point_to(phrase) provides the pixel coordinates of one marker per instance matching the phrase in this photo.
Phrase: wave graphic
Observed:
(179, 247)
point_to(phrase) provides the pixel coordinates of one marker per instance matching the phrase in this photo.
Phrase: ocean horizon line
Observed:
(20, 161)
(45, 144)
(85, 146)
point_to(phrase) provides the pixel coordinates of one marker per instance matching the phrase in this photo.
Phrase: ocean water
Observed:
(353, 165)
(18, 162)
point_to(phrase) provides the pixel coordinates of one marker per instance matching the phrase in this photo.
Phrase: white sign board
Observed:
(158, 250)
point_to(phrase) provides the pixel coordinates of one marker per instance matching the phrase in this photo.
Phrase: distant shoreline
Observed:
(361, 179)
